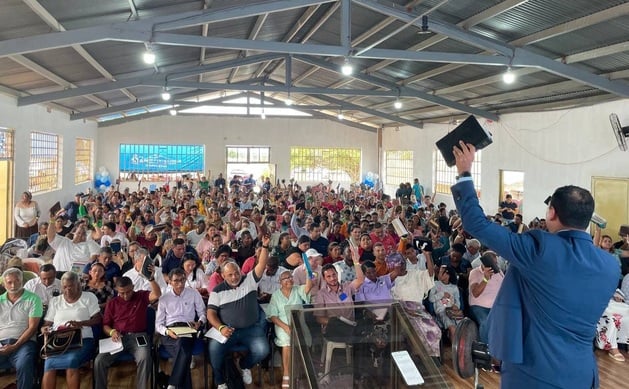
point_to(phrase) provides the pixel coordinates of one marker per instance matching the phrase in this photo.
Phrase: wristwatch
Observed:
(464, 174)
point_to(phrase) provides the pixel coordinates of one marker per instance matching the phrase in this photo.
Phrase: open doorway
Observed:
(259, 170)
(512, 182)
(243, 161)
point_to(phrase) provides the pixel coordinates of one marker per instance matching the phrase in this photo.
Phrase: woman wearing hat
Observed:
(26, 214)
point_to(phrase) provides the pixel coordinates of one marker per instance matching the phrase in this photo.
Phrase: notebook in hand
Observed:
(470, 131)
(181, 330)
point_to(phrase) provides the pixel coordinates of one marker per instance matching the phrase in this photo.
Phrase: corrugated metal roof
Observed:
(593, 34)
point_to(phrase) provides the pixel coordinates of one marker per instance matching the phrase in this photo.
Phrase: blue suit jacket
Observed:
(543, 320)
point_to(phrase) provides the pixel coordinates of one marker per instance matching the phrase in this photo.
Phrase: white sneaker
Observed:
(246, 376)
(222, 386)
(174, 387)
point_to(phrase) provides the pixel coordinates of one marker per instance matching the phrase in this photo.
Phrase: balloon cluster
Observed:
(371, 179)
(102, 181)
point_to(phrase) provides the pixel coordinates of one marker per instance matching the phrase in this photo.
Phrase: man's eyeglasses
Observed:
(286, 278)
(177, 280)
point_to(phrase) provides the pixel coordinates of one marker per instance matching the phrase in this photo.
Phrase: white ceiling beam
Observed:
(134, 10)
(574, 58)
(37, 68)
(356, 41)
(433, 40)
(564, 28)
(252, 36)
(526, 56)
(51, 21)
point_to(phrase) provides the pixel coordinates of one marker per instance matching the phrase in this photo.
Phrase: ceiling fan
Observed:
(621, 133)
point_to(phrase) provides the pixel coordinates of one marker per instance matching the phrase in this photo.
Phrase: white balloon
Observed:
(102, 188)
(105, 175)
(102, 169)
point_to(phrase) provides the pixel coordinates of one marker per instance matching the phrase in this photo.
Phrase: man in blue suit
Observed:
(543, 320)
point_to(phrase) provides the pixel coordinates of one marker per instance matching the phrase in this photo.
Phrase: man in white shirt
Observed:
(270, 281)
(473, 250)
(195, 236)
(178, 307)
(46, 286)
(139, 281)
(69, 251)
(414, 261)
(109, 234)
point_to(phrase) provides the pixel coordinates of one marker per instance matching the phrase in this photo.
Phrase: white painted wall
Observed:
(566, 147)
(36, 118)
(218, 132)
(551, 148)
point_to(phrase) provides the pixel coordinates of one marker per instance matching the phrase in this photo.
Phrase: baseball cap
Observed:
(312, 253)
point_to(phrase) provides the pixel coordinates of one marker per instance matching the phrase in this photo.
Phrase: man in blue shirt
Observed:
(112, 270)
(544, 317)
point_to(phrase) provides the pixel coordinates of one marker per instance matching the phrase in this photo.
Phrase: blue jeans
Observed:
(253, 338)
(23, 360)
(480, 315)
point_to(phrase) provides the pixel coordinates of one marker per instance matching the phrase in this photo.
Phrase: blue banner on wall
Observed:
(161, 158)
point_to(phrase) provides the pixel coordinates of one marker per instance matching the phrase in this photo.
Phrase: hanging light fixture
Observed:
(347, 69)
(509, 76)
(340, 116)
(397, 104)
(148, 56)
(165, 94)
(173, 112)
(288, 101)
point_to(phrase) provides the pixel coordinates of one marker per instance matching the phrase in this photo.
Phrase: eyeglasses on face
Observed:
(286, 278)
(177, 280)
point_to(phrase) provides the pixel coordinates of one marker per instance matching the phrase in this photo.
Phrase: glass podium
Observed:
(362, 357)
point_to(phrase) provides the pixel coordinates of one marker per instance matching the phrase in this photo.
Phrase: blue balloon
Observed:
(107, 183)
(97, 183)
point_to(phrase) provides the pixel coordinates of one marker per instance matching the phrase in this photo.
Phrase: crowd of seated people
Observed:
(227, 251)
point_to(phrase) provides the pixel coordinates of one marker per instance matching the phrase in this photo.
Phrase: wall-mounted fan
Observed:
(621, 133)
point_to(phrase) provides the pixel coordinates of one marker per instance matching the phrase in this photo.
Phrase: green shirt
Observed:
(14, 316)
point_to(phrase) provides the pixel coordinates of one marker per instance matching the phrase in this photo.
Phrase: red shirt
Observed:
(248, 265)
(389, 243)
(127, 316)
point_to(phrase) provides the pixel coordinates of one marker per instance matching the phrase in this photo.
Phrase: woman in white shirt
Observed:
(195, 277)
(26, 214)
(75, 309)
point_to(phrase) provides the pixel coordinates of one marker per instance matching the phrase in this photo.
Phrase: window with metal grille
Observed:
(398, 166)
(84, 156)
(6, 144)
(444, 177)
(322, 164)
(44, 173)
(248, 154)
